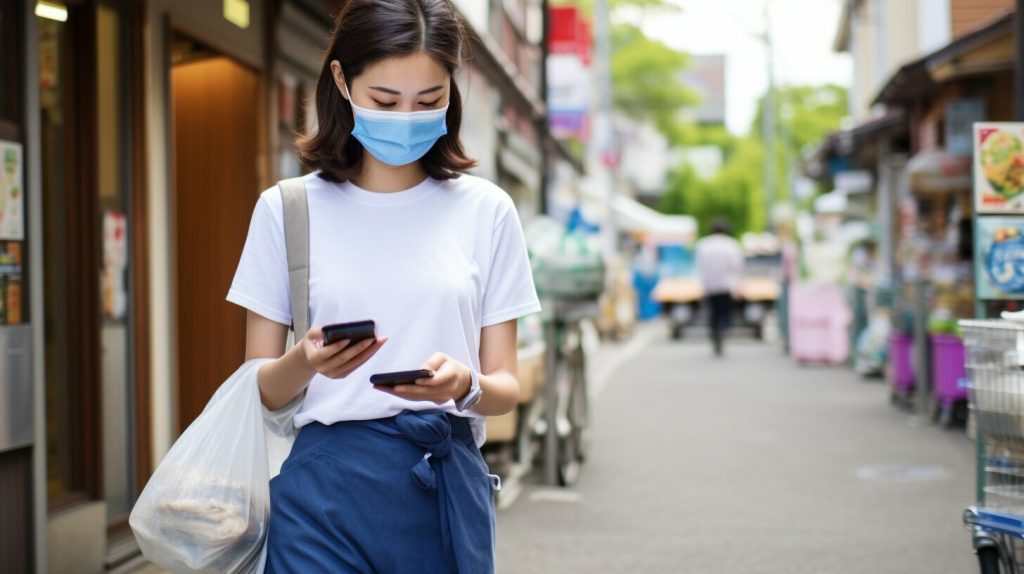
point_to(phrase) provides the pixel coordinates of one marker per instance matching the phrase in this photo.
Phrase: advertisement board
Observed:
(999, 265)
(999, 168)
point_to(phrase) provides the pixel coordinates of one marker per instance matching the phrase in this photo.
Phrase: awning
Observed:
(921, 77)
(635, 216)
(936, 171)
(845, 142)
(830, 203)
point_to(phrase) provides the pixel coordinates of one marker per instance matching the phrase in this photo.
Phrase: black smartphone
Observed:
(400, 377)
(355, 331)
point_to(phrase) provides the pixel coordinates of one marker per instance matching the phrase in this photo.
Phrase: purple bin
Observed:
(901, 347)
(948, 368)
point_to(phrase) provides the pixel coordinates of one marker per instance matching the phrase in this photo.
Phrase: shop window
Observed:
(13, 302)
(66, 408)
(113, 183)
(85, 126)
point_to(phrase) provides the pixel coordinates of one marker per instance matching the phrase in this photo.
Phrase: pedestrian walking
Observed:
(720, 266)
(389, 478)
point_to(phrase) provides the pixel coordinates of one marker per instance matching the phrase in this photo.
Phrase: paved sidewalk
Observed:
(748, 464)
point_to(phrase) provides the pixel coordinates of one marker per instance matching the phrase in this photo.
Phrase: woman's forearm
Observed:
(500, 393)
(283, 379)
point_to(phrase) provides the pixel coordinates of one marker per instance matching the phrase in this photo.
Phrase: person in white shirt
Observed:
(389, 479)
(720, 266)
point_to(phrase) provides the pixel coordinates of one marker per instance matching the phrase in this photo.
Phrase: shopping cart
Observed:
(995, 379)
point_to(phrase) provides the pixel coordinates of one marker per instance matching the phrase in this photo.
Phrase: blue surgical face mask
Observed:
(398, 138)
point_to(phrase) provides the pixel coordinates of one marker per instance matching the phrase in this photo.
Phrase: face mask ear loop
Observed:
(351, 104)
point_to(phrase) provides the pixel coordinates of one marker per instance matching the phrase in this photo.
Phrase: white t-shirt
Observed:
(719, 263)
(432, 265)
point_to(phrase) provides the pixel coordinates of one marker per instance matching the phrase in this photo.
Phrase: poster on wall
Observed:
(12, 214)
(115, 260)
(1000, 260)
(999, 167)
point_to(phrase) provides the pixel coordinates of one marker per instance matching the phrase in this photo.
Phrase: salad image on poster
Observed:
(999, 167)
(1000, 262)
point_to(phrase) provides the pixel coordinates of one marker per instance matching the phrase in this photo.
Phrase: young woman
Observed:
(389, 479)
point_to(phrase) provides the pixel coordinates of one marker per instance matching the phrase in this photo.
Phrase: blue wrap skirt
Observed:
(409, 493)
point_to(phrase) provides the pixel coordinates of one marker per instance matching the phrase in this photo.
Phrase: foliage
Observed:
(646, 75)
(733, 194)
(806, 115)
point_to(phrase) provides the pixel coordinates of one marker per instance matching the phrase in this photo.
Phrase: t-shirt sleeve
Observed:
(510, 292)
(261, 280)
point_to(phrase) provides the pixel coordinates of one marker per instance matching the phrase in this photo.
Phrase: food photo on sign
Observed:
(1000, 264)
(999, 167)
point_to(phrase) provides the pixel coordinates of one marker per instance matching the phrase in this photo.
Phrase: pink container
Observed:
(948, 368)
(818, 320)
(901, 348)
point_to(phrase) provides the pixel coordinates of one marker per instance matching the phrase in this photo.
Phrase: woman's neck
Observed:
(383, 178)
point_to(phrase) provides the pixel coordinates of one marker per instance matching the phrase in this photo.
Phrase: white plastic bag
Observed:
(207, 505)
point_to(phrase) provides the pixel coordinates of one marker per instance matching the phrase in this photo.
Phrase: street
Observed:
(749, 463)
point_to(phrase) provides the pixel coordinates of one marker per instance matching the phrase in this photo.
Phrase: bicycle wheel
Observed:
(988, 560)
(568, 459)
(579, 405)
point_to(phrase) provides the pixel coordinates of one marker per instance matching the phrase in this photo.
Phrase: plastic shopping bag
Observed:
(207, 505)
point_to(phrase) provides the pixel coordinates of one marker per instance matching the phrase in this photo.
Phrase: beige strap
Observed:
(296, 240)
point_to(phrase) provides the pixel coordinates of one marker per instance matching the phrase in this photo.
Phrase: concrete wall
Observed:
(883, 37)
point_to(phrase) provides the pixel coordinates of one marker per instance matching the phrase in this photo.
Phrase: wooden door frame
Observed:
(83, 261)
(176, 26)
(140, 346)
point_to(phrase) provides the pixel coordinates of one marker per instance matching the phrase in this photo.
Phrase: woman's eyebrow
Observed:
(397, 93)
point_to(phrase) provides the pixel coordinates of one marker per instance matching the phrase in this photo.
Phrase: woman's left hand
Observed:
(451, 382)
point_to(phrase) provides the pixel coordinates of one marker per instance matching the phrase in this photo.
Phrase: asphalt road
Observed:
(747, 464)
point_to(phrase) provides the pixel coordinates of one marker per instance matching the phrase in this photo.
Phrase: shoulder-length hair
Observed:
(365, 32)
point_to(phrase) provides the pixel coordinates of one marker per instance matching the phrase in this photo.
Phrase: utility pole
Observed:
(543, 126)
(768, 117)
(604, 140)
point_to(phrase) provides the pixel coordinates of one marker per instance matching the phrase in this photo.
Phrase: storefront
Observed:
(104, 189)
(944, 94)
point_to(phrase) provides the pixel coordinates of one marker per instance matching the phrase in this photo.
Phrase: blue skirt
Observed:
(409, 493)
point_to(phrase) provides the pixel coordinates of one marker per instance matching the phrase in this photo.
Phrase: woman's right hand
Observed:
(339, 359)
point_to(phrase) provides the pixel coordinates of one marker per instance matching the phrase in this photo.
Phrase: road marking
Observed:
(900, 473)
(555, 495)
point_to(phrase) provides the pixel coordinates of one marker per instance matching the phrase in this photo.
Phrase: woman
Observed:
(389, 479)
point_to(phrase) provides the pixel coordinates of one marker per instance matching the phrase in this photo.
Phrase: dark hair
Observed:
(720, 225)
(365, 32)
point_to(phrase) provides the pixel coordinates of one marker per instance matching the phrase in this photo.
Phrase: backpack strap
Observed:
(296, 240)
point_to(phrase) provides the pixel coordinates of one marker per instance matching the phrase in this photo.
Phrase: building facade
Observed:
(137, 136)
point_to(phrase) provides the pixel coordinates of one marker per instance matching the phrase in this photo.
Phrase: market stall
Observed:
(934, 264)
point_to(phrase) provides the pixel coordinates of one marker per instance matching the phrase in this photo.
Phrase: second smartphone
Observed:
(355, 331)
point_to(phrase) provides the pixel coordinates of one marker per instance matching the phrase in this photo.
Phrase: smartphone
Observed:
(400, 377)
(355, 331)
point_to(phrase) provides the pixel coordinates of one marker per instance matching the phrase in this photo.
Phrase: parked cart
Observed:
(995, 378)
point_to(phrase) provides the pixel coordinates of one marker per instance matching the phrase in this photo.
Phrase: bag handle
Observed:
(296, 241)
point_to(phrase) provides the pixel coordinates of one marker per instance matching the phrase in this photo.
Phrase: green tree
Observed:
(734, 193)
(646, 78)
(806, 115)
